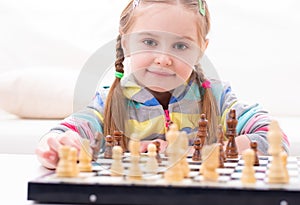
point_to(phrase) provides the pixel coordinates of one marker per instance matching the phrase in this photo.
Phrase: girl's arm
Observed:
(83, 124)
(253, 120)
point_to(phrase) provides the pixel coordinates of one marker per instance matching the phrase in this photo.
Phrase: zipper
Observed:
(168, 119)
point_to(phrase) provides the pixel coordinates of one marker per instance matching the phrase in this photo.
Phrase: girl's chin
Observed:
(158, 84)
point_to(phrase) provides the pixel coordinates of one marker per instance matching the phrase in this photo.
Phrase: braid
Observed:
(114, 107)
(119, 56)
(208, 105)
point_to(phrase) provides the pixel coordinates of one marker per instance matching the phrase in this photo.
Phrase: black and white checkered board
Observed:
(98, 187)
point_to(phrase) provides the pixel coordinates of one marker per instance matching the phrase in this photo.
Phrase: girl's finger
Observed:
(143, 147)
(48, 158)
(163, 145)
(69, 141)
(54, 144)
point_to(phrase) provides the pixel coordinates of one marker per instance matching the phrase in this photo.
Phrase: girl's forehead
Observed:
(165, 18)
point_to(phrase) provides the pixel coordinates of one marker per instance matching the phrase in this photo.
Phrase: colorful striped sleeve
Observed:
(253, 120)
(87, 121)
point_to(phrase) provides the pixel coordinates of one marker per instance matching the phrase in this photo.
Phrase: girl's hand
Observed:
(144, 145)
(48, 148)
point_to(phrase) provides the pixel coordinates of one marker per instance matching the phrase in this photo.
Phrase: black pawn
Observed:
(158, 157)
(253, 145)
(197, 150)
(109, 143)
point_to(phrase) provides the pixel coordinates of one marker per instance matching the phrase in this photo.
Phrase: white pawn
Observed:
(134, 145)
(210, 162)
(73, 160)
(64, 166)
(171, 136)
(248, 173)
(117, 168)
(184, 145)
(85, 157)
(152, 164)
(135, 172)
(276, 172)
(174, 172)
(284, 157)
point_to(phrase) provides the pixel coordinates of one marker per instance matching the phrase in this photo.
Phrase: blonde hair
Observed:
(115, 105)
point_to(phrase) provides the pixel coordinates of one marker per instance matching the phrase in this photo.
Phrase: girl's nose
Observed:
(163, 60)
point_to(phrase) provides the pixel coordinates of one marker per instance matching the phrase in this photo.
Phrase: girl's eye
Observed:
(180, 46)
(150, 42)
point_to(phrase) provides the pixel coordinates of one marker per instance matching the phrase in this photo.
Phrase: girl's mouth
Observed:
(161, 72)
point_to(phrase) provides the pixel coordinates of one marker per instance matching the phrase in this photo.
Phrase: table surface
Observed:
(16, 171)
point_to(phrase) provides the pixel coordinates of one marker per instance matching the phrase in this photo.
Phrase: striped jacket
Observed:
(147, 117)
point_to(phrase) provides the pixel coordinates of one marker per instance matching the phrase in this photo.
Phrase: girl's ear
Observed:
(206, 43)
(203, 50)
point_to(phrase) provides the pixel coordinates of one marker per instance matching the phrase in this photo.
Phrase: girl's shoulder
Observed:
(103, 91)
(219, 86)
(220, 89)
(100, 96)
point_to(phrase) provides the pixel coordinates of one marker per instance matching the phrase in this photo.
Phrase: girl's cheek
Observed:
(183, 70)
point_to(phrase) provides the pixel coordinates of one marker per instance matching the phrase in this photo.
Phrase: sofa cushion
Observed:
(38, 93)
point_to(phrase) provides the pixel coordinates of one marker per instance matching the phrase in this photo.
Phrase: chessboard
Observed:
(99, 187)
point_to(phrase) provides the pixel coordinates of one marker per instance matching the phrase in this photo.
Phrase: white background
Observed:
(253, 44)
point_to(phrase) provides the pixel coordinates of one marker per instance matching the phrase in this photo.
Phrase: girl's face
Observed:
(162, 46)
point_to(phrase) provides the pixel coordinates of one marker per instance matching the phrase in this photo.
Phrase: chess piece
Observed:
(64, 167)
(284, 157)
(152, 164)
(248, 173)
(221, 146)
(200, 138)
(73, 153)
(202, 129)
(158, 157)
(197, 150)
(171, 137)
(174, 172)
(118, 137)
(184, 142)
(135, 172)
(231, 148)
(210, 162)
(134, 145)
(96, 146)
(276, 170)
(253, 145)
(117, 168)
(85, 157)
(109, 143)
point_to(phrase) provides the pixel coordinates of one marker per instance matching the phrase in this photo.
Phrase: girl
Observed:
(162, 42)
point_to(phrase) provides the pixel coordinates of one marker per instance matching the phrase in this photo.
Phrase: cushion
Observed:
(44, 93)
